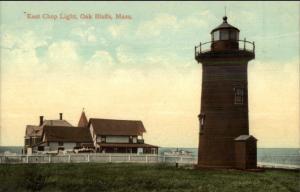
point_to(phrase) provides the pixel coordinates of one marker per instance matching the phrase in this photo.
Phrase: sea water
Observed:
(286, 156)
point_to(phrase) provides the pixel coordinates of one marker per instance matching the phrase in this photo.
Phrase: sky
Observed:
(143, 68)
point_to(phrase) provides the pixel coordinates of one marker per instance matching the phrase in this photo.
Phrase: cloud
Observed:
(19, 52)
(27, 40)
(197, 20)
(62, 56)
(117, 30)
(165, 23)
(87, 34)
(99, 61)
(125, 55)
(160, 22)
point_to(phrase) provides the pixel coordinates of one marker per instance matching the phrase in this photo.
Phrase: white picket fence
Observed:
(97, 158)
(119, 158)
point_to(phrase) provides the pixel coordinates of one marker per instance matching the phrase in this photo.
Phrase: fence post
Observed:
(129, 159)
(146, 158)
(109, 157)
(27, 159)
(49, 158)
(164, 158)
(88, 158)
(69, 160)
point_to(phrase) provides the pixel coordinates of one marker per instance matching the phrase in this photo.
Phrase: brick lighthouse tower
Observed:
(224, 139)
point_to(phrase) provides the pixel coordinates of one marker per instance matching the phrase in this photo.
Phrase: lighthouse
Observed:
(224, 140)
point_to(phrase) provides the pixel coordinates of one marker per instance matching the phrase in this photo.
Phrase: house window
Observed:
(238, 96)
(27, 141)
(99, 138)
(40, 148)
(134, 140)
(60, 143)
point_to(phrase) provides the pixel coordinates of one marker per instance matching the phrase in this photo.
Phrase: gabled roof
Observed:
(117, 127)
(66, 134)
(36, 131)
(83, 122)
(33, 131)
(56, 123)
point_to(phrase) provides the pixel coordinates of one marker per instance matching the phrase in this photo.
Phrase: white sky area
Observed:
(144, 69)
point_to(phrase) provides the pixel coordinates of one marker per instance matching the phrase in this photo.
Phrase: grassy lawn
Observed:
(140, 177)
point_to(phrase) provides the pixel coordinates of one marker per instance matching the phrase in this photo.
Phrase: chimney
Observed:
(60, 116)
(41, 120)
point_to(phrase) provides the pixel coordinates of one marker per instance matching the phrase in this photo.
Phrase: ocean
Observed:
(284, 156)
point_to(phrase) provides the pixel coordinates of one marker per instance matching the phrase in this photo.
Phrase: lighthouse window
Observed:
(224, 34)
(216, 36)
(233, 35)
(201, 119)
(239, 96)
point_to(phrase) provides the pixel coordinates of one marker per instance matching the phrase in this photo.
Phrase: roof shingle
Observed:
(67, 134)
(36, 131)
(117, 127)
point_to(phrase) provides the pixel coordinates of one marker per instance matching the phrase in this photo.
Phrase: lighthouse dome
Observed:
(225, 31)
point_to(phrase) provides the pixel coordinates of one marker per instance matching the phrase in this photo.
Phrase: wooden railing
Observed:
(292, 161)
(243, 45)
(97, 158)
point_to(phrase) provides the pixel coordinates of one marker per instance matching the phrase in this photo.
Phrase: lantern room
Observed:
(225, 37)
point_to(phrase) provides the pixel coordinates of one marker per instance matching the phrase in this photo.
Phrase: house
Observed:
(100, 135)
(119, 136)
(33, 133)
(65, 138)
